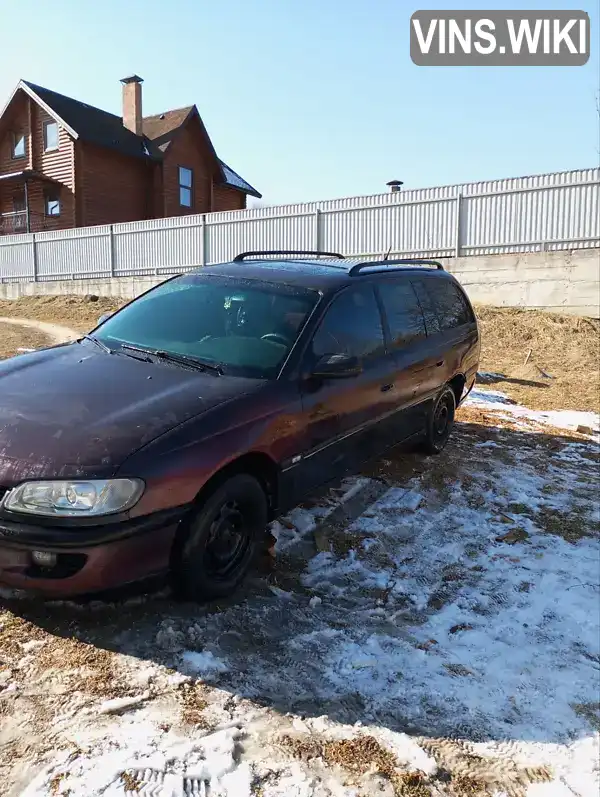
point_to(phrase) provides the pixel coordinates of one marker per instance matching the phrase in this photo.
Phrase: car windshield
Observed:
(244, 326)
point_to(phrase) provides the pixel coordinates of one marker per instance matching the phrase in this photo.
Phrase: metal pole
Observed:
(27, 216)
(204, 240)
(34, 257)
(111, 249)
(317, 230)
(457, 242)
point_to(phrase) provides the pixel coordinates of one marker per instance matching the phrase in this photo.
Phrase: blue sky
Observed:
(314, 99)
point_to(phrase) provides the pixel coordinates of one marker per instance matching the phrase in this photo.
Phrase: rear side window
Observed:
(352, 325)
(432, 323)
(404, 315)
(450, 304)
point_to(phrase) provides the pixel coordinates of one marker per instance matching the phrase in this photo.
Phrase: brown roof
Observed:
(162, 127)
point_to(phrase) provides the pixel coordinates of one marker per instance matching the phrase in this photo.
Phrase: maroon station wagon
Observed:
(165, 440)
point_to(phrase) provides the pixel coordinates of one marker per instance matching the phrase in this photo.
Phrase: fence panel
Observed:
(227, 238)
(70, 254)
(16, 257)
(158, 248)
(522, 214)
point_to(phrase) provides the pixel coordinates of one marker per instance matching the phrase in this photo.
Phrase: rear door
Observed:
(410, 349)
(451, 329)
(342, 417)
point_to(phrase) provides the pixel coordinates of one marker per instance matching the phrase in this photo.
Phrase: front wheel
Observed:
(219, 543)
(440, 422)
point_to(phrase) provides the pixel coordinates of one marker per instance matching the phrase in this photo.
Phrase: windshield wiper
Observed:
(182, 359)
(98, 343)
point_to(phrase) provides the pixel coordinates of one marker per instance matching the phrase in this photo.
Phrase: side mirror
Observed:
(337, 366)
(104, 317)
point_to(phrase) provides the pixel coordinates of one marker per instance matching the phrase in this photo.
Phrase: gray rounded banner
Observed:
(500, 38)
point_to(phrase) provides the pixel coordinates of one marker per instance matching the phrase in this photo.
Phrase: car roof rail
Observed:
(244, 255)
(384, 265)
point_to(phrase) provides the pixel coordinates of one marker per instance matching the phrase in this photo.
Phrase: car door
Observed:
(342, 416)
(435, 349)
(451, 328)
(409, 345)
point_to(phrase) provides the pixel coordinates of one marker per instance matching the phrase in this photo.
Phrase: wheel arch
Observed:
(255, 463)
(457, 383)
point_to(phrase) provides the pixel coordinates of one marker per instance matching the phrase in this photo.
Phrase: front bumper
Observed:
(89, 558)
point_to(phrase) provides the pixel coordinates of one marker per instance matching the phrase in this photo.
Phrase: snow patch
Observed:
(202, 662)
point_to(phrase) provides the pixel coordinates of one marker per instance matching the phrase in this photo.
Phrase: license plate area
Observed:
(11, 558)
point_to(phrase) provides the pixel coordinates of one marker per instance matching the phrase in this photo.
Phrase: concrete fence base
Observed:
(562, 282)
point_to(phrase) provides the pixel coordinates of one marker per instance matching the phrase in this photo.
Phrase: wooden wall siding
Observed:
(26, 116)
(58, 163)
(188, 149)
(39, 220)
(228, 199)
(113, 188)
(16, 120)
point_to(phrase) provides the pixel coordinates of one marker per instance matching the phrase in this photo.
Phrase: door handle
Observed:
(386, 388)
(439, 363)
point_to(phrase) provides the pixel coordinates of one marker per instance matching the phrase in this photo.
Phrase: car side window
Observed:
(452, 308)
(404, 314)
(352, 325)
(432, 323)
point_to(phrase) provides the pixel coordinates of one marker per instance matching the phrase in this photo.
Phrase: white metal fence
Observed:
(524, 214)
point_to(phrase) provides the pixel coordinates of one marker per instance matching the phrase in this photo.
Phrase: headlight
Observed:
(75, 498)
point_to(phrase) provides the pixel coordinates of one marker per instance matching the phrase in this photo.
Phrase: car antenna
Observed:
(387, 254)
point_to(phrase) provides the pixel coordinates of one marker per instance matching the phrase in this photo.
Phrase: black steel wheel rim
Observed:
(442, 418)
(228, 540)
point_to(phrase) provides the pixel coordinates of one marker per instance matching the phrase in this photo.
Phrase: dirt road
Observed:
(18, 335)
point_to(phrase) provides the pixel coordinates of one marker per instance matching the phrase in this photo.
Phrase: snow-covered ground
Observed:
(444, 641)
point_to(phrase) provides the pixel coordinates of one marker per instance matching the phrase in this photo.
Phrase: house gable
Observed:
(46, 170)
(165, 128)
(189, 148)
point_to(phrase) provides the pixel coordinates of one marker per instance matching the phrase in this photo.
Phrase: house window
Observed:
(185, 187)
(50, 135)
(52, 202)
(19, 145)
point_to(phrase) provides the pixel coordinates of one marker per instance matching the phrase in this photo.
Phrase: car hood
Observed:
(76, 411)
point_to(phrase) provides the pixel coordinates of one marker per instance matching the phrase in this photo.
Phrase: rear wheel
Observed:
(440, 422)
(219, 543)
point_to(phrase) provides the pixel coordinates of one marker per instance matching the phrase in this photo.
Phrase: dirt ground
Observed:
(14, 338)
(546, 361)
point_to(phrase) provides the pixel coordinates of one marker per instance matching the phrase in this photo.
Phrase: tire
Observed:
(219, 543)
(440, 422)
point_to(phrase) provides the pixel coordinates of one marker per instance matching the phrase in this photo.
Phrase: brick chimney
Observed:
(132, 103)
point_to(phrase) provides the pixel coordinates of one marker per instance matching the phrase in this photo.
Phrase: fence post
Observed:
(457, 241)
(204, 240)
(317, 234)
(34, 258)
(111, 249)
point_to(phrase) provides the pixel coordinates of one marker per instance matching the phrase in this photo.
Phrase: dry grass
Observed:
(14, 338)
(192, 698)
(77, 312)
(461, 772)
(564, 347)
(357, 756)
